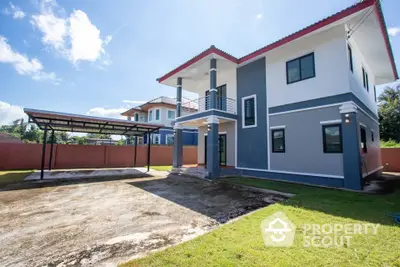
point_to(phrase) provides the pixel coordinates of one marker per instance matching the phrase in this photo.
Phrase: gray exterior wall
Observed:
(229, 128)
(372, 158)
(304, 143)
(252, 146)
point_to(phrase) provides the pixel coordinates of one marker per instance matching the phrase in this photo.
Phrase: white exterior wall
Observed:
(331, 68)
(356, 78)
(163, 116)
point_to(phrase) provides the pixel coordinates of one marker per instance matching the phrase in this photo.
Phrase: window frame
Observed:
(153, 136)
(136, 116)
(350, 53)
(244, 126)
(159, 114)
(324, 144)
(365, 78)
(284, 140)
(174, 112)
(166, 139)
(372, 136)
(299, 59)
(150, 116)
(365, 148)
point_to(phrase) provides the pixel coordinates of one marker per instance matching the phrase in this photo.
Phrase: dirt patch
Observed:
(104, 223)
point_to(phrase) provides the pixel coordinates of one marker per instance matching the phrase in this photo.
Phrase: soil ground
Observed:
(102, 223)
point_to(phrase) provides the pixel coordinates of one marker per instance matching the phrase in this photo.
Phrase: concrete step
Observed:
(196, 172)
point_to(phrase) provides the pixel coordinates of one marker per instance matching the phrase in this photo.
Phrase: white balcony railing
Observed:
(225, 104)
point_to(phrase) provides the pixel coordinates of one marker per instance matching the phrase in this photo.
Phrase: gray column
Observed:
(178, 134)
(351, 147)
(213, 84)
(178, 146)
(213, 148)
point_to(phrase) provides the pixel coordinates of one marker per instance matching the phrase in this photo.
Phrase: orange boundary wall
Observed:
(28, 156)
(391, 159)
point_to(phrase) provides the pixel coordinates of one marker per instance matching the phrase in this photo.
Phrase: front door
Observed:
(221, 150)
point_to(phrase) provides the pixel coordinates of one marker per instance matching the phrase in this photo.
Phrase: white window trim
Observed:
(166, 138)
(173, 110)
(255, 111)
(330, 122)
(152, 139)
(277, 127)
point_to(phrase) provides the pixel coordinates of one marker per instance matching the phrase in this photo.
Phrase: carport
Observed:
(67, 122)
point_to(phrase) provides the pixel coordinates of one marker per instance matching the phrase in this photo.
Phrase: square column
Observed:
(178, 133)
(213, 84)
(351, 147)
(213, 148)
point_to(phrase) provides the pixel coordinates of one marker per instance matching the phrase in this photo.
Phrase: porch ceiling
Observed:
(202, 122)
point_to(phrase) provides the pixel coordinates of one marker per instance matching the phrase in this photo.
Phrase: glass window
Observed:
(157, 114)
(363, 139)
(300, 68)
(171, 114)
(170, 139)
(136, 117)
(156, 139)
(150, 115)
(365, 79)
(332, 138)
(249, 112)
(350, 58)
(278, 141)
(372, 136)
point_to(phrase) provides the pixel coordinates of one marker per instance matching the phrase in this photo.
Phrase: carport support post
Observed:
(213, 84)
(51, 149)
(351, 147)
(213, 148)
(148, 150)
(134, 159)
(43, 152)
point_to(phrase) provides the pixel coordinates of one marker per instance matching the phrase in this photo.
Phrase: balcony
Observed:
(224, 104)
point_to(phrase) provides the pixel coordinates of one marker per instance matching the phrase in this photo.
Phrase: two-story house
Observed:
(161, 110)
(301, 109)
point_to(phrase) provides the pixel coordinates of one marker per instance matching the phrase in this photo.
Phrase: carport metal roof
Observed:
(67, 122)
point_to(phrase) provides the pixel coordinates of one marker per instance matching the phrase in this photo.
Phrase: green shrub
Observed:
(390, 144)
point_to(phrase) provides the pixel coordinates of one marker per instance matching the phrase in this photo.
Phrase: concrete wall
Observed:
(372, 159)
(331, 72)
(252, 146)
(28, 156)
(227, 128)
(304, 143)
(356, 78)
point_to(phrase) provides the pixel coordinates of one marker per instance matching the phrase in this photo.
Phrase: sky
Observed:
(103, 57)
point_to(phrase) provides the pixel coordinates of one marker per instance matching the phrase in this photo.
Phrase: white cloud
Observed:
(259, 16)
(23, 65)
(10, 113)
(133, 101)
(14, 11)
(109, 113)
(73, 37)
(394, 31)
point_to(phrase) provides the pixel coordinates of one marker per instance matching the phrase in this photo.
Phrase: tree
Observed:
(389, 113)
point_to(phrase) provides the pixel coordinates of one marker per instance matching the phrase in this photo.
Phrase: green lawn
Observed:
(240, 243)
(161, 168)
(7, 177)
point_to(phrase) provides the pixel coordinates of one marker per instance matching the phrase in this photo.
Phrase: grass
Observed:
(390, 144)
(161, 168)
(8, 177)
(240, 243)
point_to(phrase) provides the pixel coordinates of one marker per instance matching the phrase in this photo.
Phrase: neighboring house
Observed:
(101, 141)
(162, 110)
(301, 109)
(6, 138)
